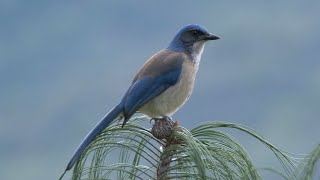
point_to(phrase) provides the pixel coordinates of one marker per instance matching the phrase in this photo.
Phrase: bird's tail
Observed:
(112, 115)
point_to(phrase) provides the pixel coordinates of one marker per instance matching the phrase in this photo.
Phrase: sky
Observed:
(64, 64)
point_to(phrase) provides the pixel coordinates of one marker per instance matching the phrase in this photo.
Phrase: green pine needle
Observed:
(205, 152)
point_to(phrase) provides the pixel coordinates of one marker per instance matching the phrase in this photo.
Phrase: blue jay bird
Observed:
(162, 85)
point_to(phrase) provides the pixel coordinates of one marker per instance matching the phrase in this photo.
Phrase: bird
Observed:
(163, 84)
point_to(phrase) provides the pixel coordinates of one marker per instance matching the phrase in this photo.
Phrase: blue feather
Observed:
(149, 87)
(113, 114)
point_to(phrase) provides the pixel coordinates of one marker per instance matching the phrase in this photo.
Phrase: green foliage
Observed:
(202, 153)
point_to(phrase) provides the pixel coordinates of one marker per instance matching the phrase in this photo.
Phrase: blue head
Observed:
(191, 38)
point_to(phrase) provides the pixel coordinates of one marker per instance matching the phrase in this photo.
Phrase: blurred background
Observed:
(63, 65)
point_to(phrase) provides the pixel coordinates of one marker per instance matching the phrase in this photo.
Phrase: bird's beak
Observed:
(210, 37)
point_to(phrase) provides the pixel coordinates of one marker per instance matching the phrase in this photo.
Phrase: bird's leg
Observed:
(163, 118)
(167, 118)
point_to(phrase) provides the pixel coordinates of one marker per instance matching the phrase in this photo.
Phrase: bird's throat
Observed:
(196, 52)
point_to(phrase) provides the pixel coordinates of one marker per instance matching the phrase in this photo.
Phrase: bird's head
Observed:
(191, 38)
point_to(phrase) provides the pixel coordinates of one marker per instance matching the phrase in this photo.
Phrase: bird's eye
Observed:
(195, 32)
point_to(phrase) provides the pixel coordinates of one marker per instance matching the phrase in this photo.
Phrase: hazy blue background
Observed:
(63, 65)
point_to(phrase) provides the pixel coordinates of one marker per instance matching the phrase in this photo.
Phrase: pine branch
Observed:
(134, 152)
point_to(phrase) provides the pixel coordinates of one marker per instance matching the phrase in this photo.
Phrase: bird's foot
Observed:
(167, 118)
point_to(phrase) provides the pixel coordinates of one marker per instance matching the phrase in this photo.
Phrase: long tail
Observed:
(113, 114)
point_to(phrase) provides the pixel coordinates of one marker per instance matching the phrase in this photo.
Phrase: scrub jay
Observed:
(162, 85)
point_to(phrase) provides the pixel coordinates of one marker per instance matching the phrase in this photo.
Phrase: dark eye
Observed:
(195, 32)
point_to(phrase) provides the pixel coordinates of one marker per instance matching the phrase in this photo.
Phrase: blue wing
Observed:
(159, 73)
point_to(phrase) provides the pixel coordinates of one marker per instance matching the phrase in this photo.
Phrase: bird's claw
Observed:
(165, 118)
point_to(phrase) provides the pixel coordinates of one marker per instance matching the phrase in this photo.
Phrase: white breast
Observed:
(175, 96)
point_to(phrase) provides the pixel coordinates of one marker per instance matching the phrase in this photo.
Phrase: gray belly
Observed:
(168, 102)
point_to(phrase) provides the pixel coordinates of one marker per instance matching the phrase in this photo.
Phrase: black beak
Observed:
(211, 37)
